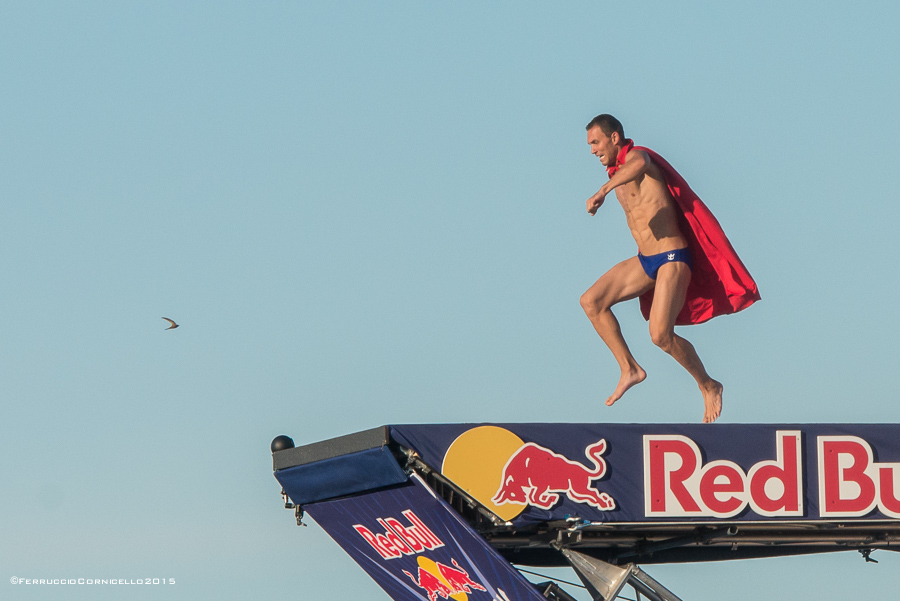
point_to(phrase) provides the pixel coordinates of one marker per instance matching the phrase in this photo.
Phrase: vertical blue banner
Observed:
(418, 549)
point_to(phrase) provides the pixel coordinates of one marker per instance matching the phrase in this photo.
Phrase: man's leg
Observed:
(668, 298)
(623, 282)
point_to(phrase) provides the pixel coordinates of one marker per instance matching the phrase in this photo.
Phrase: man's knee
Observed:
(664, 338)
(593, 303)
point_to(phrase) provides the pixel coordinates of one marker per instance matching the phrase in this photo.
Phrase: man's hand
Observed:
(595, 201)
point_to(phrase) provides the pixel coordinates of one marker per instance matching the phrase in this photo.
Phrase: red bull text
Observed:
(398, 540)
(851, 482)
(676, 483)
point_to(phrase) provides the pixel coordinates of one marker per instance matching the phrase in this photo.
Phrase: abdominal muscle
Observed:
(651, 214)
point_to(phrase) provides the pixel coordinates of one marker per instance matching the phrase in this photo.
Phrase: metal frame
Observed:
(605, 581)
(597, 550)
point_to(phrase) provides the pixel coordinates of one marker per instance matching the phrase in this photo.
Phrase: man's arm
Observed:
(636, 164)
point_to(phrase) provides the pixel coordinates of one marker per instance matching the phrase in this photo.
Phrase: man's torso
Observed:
(651, 212)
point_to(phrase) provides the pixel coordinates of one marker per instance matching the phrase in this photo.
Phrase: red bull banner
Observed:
(418, 549)
(528, 473)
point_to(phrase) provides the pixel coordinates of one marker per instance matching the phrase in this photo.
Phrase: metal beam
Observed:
(605, 581)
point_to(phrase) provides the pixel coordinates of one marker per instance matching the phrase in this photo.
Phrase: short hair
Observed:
(607, 124)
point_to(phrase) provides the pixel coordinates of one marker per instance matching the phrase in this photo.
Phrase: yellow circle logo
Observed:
(475, 462)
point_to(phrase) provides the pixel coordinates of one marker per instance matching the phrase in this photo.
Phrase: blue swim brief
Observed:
(652, 263)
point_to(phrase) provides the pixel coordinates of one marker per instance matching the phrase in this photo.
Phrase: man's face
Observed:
(602, 146)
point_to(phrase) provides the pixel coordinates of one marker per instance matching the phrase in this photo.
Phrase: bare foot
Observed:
(712, 401)
(627, 380)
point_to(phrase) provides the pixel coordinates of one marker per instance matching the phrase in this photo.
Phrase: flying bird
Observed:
(173, 326)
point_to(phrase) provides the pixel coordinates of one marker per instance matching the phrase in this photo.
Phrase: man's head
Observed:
(606, 136)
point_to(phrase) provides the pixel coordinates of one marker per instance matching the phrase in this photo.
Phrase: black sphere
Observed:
(281, 443)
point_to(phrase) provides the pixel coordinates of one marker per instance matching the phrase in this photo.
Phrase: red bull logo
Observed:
(398, 540)
(440, 580)
(508, 475)
(537, 476)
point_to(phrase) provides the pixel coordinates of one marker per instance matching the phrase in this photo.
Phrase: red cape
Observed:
(720, 284)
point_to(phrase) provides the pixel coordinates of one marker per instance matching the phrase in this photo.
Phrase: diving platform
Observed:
(448, 511)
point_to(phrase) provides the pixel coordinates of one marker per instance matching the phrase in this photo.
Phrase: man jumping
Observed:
(686, 270)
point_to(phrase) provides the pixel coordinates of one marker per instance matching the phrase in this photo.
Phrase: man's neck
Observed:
(622, 151)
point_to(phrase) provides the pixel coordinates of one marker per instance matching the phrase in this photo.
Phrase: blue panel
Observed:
(418, 549)
(340, 476)
(619, 473)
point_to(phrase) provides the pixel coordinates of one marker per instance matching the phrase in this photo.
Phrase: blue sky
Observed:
(373, 213)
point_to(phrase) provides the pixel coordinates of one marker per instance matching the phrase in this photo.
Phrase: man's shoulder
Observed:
(656, 163)
(648, 153)
(638, 151)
